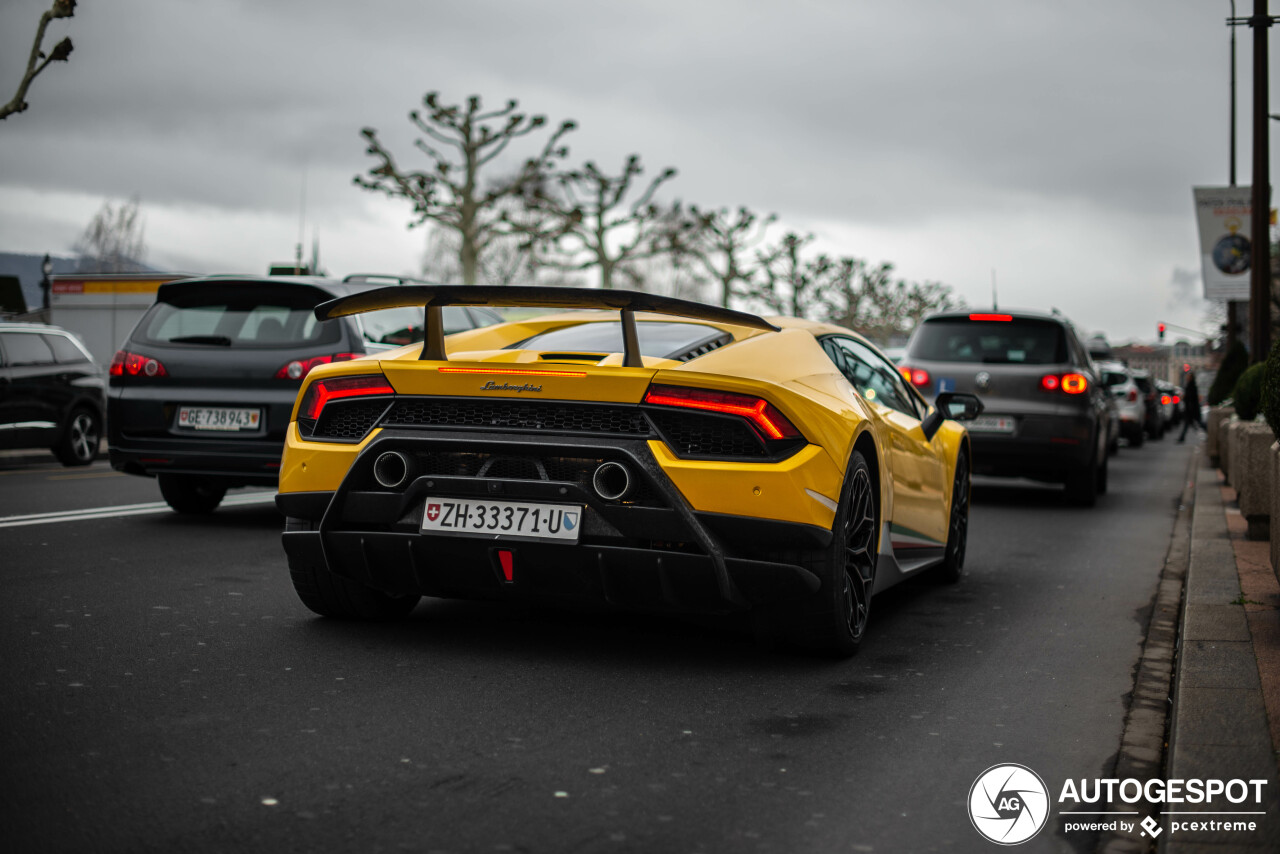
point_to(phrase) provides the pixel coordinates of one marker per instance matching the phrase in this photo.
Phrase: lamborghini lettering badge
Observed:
(492, 386)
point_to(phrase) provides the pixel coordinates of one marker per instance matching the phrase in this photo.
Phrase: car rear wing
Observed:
(434, 297)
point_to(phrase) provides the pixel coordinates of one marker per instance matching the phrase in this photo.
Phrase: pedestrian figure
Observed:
(1190, 406)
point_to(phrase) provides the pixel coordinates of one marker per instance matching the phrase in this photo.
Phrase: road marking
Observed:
(86, 475)
(123, 510)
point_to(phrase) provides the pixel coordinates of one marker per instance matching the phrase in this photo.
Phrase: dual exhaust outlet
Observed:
(611, 481)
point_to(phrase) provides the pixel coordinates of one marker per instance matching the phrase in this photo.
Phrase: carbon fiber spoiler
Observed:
(434, 297)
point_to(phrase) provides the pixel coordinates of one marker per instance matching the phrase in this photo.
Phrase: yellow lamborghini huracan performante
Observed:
(653, 454)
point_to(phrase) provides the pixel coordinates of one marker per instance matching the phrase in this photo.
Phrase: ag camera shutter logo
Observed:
(1008, 804)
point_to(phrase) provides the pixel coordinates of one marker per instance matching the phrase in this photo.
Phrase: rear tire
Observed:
(1135, 440)
(331, 595)
(79, 443)
(1082, 485)
(833, 621)
(191, 494)
(952, 568)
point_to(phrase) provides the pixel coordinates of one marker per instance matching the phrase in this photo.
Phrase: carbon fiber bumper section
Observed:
(652, 553)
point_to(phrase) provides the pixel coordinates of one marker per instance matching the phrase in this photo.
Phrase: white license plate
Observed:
(478, 518)
(221, 418)
(991, 424)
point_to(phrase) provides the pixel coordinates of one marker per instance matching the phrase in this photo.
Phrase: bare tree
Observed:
(113, 242)
(450, 192)
(719, 242)
(38, 61)
(881, 307)
(793, 284)
(586, 221)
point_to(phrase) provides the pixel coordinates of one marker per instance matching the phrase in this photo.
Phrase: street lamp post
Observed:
(46, 286)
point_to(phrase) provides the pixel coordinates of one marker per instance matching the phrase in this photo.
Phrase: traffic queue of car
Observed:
(1053, 412)
(634, 451)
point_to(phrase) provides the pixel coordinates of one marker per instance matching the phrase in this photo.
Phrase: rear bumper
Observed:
(649, 552)
(142, 437)
(1043, 448)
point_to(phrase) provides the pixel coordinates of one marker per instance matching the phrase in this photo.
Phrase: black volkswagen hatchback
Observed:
(200, 394)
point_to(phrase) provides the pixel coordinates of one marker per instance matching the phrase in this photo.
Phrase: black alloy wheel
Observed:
(79, 443)
(859, 570)
(952, 569)
(833, 620)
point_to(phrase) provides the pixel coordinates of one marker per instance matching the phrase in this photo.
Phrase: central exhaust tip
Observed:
(391, 469)
(611, 481)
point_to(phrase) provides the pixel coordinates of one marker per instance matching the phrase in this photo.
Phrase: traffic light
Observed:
(1160, 329)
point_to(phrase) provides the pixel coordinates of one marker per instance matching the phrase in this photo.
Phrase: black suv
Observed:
(51, 393)
(201, 392)
(1046, 414)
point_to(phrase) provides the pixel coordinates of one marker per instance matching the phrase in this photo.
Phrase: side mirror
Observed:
(953, 405)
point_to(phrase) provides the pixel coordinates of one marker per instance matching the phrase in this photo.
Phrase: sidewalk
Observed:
(1226, 699)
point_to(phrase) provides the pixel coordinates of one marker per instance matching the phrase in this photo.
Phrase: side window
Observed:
(65, 350)
(26, 348)
(875, 378)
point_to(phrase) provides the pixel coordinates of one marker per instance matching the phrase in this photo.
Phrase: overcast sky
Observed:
(1055, 143)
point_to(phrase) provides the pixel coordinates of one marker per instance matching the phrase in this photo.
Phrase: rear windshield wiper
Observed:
(220, 340)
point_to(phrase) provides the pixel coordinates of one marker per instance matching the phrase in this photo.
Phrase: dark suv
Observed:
(1046, 413)
(201, 392)
(51, 393)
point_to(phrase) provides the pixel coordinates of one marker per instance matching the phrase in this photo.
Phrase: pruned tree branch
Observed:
(464, 141)
(583, 218)
(38, 61)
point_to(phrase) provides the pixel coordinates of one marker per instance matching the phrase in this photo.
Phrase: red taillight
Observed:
(1177, 398)
(991, 317)
(1133, 395)
(915, 376)
(299, 368)
(1165, 399)
(1074, 383)
(761, 413)
(321, 392)
(1069, 383)
(126, 364)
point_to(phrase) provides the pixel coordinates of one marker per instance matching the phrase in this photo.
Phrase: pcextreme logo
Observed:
(1008, 804)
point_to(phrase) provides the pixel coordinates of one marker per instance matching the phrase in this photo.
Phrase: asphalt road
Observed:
(164, 690)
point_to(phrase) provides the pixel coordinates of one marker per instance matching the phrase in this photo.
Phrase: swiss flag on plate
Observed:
(433, 512)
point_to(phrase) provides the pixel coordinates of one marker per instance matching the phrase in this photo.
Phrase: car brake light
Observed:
(991, 317)
(1069, 383)
(915, 376)
(321, 392)
(1133, 395)
(299, 368)
(1165, 399)
(761, 413)
(1177, 398)
(1074, 383)
(131, 364)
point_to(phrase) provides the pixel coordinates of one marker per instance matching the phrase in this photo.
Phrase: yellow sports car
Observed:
(654, 454)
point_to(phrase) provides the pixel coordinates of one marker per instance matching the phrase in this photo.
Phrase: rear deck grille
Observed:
(689, 434)
(349, 420)
(692, 434)
(518, 416)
